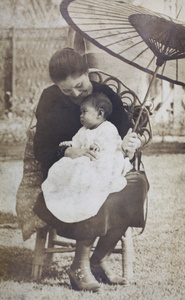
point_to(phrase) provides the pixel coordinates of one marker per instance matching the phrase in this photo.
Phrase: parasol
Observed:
(149, 41)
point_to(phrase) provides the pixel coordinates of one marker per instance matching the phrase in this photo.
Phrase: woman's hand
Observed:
(73, 153)
(130, 143)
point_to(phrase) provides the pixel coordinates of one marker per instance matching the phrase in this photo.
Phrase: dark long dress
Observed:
(58, 120)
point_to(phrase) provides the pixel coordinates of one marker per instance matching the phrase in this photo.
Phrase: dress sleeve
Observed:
(46, 143)
(78, 139)
(108, 138)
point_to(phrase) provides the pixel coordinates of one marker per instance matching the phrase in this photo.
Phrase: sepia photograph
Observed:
(92, 149)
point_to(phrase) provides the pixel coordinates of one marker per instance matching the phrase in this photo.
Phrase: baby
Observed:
(75, 189)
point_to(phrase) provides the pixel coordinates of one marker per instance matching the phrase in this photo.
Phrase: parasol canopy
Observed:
(149, 41)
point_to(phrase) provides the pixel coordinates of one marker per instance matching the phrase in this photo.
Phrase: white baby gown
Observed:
(75, 189)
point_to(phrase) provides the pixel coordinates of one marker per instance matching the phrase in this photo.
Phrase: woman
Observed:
(58, 119)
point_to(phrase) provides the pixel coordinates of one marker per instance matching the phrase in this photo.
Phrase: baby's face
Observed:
(89, 116)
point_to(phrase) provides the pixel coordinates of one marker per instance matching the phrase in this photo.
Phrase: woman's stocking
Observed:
(80, 274)
(104, 248)
(82, 254)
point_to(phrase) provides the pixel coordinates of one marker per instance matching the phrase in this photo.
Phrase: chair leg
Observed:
(51, 238)
(127, 254)
(39, 253)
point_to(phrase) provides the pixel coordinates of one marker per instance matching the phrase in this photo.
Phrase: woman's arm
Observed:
(47, 136)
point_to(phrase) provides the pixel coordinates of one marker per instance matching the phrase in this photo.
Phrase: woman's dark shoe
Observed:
(104, 275)
(82, 279)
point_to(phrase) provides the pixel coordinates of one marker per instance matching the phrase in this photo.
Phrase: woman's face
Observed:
(77, 88)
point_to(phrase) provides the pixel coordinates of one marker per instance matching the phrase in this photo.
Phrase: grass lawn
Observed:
(159, 265)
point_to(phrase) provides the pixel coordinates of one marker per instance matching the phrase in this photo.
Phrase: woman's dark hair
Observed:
(66, 62)
(100, 101)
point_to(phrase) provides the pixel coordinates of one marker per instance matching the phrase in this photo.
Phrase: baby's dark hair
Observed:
(100, 101)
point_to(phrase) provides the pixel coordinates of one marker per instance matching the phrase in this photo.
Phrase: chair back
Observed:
(130, 101)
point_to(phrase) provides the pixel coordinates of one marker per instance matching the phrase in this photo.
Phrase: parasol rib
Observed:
(131, 47)
(103, 29)
(117, 34)
(118, 41)
(151, 61)
(140, 53)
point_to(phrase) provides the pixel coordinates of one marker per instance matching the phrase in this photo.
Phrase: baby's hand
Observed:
(94, 147)
(66, 143)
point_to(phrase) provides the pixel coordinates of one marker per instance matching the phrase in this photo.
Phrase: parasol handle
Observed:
(146, 96)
